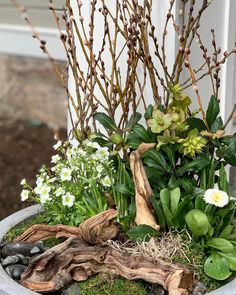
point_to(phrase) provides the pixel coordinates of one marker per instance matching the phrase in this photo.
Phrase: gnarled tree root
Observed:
(97, 228)
(76, 260)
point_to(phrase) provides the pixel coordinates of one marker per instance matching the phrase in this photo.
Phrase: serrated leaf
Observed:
(148, 113)
(142, 133)
(157, 157)
(223, 182)
(142, 232)
(106, 121)
(199, 163)
(133, 141)
(159, 212)
(212, 110)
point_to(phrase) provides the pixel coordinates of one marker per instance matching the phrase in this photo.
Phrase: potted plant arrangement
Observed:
(141, 195)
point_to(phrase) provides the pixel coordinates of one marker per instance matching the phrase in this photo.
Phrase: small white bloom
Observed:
(24, 195)
(57, 145)
(52, 179)
(99, 168)
(216, 197)
(106, 181)
(68, 200)
(39, 181)
(45, 198)
(59, 192)
(70, 153)
(23, 181)
(54, 169)
(65, 174)
(55, 158)
(102, 153)
(81, 152)
(43, 190)
(93, 145)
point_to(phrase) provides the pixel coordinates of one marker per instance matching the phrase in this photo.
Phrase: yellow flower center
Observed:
(217, 197)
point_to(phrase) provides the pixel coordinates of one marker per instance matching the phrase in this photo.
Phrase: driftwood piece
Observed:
(76, 260)
(143, 191)
(97, 228)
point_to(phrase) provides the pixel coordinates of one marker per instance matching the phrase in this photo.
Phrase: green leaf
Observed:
(170, 154)
(157, 157)
(226, 231)
(142, 232)
(231, 259)
(165, 202)
(142, 133)
(106, 121)
(211, 175)
(223, 182)
(134, 119)
(212, 110)
(184, 207)
(197, 222)
(159, 212)
(174, 200)
(218, 124)
(196, 123)
(133, 141)
(199, 163)
(220, 244)
(217, 267)
(148, 113)
(122, 188)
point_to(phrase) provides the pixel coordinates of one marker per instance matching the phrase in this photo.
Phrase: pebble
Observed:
(25, 249)
(15, 271)
(15, 259)
(199, 289)
(156, 290)
(74, 289)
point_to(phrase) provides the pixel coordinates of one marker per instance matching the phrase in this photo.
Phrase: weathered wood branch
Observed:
(76, 260)
(143, 191)
(100, 227)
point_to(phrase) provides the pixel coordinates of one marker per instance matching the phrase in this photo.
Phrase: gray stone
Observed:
(15, 271)
(16, 248)
(15, 259)
(72, 290)
(35, 250)
(199, 289)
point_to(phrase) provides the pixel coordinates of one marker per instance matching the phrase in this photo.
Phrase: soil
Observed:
(24, 148)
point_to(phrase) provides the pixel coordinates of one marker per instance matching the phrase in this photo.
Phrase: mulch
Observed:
(24, 148)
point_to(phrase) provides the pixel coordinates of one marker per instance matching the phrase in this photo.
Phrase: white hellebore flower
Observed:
(55, 159)
(23, 181)
(99, 168)
(24, 195)
(216, 197)
(57, 145)
(65, 174)
(68, 200)
(106, 181)
(59, 192)
(102, 153)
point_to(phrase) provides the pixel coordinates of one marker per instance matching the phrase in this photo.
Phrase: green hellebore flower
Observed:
(177, 92)
(193, 144)
(166, 138)
(159, 121)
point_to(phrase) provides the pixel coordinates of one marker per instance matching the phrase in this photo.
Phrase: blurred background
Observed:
(32, 99)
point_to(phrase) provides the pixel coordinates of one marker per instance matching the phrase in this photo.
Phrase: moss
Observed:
(103, 284)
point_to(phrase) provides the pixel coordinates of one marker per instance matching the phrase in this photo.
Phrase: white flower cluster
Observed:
(71, 174)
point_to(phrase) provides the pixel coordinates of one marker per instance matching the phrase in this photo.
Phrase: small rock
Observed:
(35, 250)
(15, 271)
(72, 290)
(10, 260)
(199, 289)
(17, 248)
(15, 259)
(156, 290)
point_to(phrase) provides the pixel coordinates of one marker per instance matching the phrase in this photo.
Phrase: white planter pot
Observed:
(10, 287)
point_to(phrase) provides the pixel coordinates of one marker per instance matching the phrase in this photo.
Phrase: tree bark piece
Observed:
(76, 260)
(143, 191)
(97, 228)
